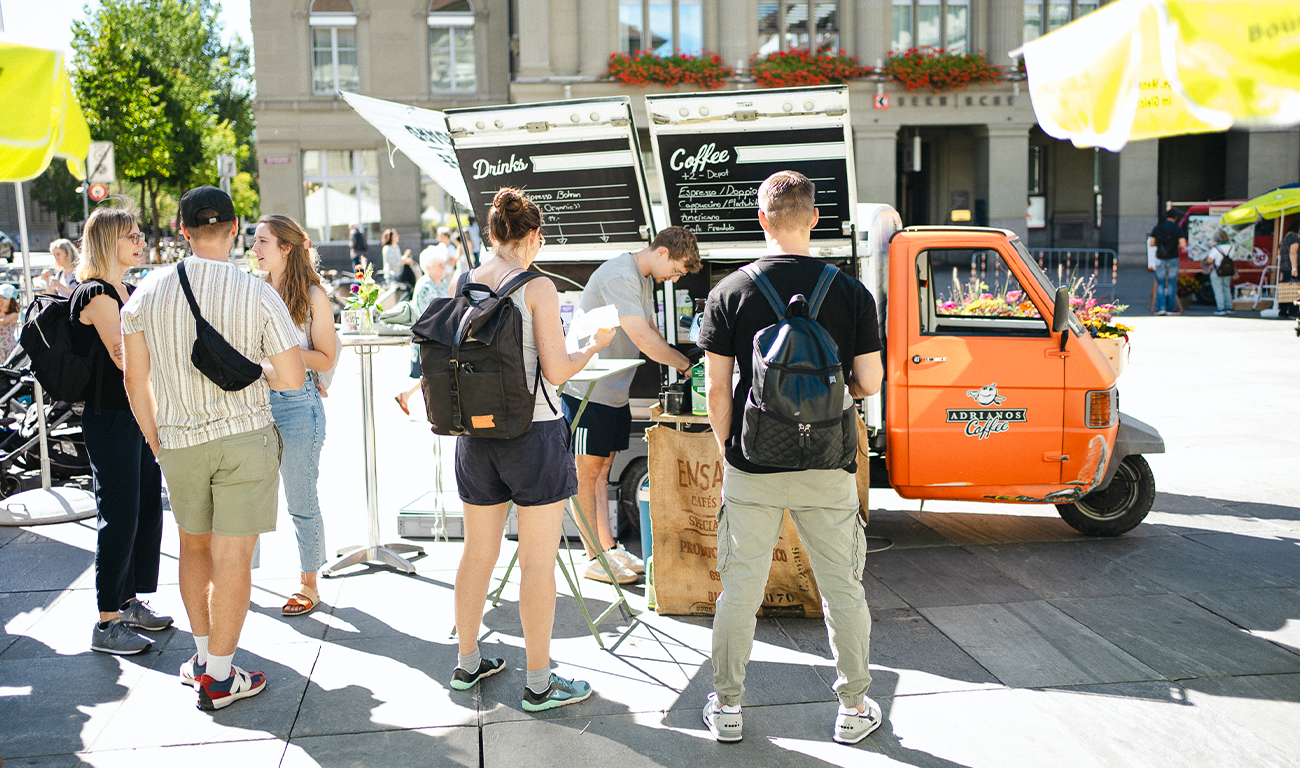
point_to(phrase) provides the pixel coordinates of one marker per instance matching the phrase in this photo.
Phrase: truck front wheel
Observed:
(1117, 508)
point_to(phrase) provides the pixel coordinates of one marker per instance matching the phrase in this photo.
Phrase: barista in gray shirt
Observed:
(627, 282)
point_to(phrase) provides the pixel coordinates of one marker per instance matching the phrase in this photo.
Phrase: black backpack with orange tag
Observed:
(472, 362)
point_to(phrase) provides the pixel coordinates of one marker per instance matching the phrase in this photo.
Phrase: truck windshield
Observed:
(1075, 324)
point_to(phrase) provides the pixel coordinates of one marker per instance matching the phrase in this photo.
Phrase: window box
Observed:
(786, 69)
(644, 68)
(937, 70)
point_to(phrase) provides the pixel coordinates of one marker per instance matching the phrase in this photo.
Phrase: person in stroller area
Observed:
(127, 480)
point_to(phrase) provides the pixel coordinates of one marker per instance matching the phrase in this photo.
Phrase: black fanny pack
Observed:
(212, 354)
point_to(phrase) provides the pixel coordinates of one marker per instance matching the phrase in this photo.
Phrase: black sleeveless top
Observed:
(111, 386)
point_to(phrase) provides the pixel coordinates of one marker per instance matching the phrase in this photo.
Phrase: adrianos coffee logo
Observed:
(984, 421)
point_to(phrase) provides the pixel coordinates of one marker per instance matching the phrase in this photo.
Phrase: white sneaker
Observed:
(633, 563)
(596, 572)
(852, 726)
(724, 725)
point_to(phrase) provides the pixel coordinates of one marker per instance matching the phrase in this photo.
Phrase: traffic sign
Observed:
(882, 101)
(226, 167)
(98, 192)
(100, 163)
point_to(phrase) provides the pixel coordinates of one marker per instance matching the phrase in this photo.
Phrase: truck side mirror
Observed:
(1061, 312)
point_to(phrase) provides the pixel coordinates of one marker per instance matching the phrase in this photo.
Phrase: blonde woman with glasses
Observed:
(128, 482)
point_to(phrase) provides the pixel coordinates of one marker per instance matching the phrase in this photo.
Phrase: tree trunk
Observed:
(153, 197)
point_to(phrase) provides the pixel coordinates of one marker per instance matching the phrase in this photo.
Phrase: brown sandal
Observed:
(302, 602)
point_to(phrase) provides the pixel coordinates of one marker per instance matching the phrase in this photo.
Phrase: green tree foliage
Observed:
(155, 78)
(56, 192)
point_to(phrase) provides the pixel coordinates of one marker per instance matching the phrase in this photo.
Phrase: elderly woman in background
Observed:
(61, 280)
(432, 285)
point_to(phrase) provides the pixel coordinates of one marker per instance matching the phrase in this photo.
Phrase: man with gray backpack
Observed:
(806, 340)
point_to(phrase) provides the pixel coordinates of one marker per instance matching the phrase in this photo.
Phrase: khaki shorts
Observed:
(227, 486)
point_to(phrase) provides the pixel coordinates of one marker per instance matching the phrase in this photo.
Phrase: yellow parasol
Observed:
(1140, 69)
(42, 121)
(1270, 205)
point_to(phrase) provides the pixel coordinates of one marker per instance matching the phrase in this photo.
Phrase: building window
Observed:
(787, 25)
(1054, 14)
(931, 24)
(451, 46)
(675, 26)
(333, 47)
(340, 187)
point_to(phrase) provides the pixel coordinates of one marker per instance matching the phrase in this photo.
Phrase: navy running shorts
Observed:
(603, 429)
(531, 470)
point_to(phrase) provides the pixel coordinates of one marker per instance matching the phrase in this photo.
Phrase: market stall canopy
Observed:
(421, 134)
(48, 123)
(1279, 202)
(1140, 69)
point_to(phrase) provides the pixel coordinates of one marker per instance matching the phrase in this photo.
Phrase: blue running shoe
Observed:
(463, 680)
(560, 693)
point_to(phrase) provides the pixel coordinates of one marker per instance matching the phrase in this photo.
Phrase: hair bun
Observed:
(509, 202)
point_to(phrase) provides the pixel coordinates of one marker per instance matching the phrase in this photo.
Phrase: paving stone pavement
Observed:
(1000, 636)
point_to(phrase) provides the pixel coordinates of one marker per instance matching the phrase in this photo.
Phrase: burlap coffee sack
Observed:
(685, 494)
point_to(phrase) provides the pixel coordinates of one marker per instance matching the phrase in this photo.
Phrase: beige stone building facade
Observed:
(979, 149)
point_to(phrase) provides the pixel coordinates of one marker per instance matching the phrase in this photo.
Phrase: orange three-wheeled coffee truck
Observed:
(994, 391)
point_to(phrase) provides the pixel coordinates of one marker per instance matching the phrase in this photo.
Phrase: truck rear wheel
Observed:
(1119, 507)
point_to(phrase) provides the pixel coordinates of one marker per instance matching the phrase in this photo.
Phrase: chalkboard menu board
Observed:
(587, 190)
(711, 180)
(577, 160)
(713, 151)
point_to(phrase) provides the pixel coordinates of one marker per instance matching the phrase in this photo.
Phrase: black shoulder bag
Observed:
(212, 354)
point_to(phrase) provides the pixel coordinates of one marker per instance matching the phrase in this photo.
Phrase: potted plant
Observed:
(938, 70)
(644, 67)
(786, 69)
(358, 317)
(1187, 289)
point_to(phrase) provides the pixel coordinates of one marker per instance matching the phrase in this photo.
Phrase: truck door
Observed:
(984, 396)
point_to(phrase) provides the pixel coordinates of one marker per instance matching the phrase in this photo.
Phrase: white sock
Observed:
(539, 680)
(201, 643)
(731, 709)
(219, 666)
(468, 662)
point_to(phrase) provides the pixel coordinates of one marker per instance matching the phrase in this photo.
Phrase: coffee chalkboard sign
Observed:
(578, 160)
(713, 152)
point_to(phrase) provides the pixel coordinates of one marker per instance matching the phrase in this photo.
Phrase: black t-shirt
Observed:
(1167, 233)
(736, 311)
(111, 386)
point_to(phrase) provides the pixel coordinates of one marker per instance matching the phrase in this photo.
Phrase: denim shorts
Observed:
(531, 470)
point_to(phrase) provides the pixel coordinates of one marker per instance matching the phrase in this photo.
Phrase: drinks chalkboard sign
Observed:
(713, 151)
(578, 160)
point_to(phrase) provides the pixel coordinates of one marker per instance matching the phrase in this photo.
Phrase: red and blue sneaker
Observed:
(216, 694)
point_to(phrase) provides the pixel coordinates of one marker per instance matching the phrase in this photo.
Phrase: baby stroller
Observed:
(20, 432)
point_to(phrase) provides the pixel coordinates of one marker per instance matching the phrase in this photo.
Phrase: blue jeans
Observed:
(1167, 285)
(300, 418)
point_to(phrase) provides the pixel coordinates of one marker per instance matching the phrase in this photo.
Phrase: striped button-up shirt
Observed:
(246, 311)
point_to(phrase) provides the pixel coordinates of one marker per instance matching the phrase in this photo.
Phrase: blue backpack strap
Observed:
(766, 288)
(823, 287)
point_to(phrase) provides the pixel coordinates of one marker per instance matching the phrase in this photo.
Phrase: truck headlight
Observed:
(1103, 408)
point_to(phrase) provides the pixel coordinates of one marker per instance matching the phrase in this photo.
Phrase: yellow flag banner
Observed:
(1139, 69)
(42, 118)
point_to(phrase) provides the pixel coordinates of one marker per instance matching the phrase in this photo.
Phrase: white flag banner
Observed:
(422, 135)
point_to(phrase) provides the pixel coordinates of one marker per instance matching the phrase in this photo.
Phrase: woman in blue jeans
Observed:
(285, 253)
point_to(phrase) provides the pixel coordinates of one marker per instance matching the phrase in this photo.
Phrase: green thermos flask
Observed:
(698, 402)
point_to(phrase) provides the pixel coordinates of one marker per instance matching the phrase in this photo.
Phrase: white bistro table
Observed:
(373, 551)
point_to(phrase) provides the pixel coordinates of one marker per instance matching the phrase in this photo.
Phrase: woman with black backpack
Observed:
(534, 470)
(1218, 260)
(128, 482)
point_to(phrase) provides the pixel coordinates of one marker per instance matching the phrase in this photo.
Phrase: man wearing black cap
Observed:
(219, 450)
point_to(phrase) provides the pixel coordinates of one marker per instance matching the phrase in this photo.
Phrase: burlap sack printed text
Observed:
(685, 494)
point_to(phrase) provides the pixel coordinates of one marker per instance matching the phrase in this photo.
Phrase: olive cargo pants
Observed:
(824, 506)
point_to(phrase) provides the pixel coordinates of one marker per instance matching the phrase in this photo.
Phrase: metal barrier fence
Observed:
(1067, 265)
